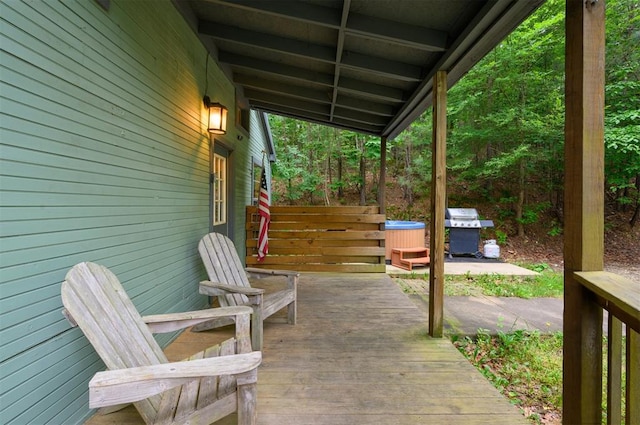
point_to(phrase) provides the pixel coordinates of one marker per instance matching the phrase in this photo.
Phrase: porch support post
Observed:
(583, 209)
(382, 200)
(382, 183)
(438, 196)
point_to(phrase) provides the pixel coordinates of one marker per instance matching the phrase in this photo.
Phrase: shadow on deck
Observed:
(358, 355)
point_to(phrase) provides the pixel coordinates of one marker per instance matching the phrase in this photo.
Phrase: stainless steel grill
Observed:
(464, 231)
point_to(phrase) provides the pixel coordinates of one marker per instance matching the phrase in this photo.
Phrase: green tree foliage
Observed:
(316, 163)
(506, 117)
(622, 97)
(410, 159)
(291, 159)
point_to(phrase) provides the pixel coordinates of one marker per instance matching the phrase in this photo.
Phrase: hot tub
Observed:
(402, 234)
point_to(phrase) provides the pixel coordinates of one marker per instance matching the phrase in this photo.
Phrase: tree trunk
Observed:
(521, 164)
(363, 179)
(327, 181)
(310, 171)
(290, 189)
(340, 165)
(363, 172)
(340, 181)
(488, 186)
(636, 212)
(559, 207)
(634, 217)
(407, 186)
(521, 192)
(489, 109)
(329, 170)
(311, 159)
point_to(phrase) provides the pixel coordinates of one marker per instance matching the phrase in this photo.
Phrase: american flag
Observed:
(265, 217)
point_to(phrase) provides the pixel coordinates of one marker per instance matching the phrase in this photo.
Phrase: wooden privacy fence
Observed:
(320, 239)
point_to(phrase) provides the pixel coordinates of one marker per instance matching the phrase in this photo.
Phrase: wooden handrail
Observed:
(616, 294)
(621, 298)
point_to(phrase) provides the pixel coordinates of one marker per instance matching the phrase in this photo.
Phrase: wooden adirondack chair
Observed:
(208, 386)
(230, 283)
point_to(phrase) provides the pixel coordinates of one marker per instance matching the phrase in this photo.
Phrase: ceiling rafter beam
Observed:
(318, 112)
(274, 68)
(279, 101)
(281, 71)
(299, 11)
(394, 32)
(343, 124)
(311, 105)
(287, 101)
(267, 41)
(339, 50)
(371, 90)
(359, 116)
(289, 46)
(358, 25)
(317, 96)
(376, 108)
(321, 96)
(383, 67)
(290, 109)
(356, 126)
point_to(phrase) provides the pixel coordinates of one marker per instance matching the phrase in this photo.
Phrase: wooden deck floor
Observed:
(358, 355)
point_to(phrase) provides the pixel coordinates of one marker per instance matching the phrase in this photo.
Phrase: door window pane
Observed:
(219, 189)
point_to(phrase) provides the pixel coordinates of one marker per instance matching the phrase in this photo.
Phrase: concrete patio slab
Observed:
(474, 268)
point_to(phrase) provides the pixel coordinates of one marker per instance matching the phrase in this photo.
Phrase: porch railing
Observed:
(320, 239)
(620, 297)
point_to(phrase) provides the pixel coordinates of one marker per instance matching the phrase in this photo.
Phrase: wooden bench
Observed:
(407, 258)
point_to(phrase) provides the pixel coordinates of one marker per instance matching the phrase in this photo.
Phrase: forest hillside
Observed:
(505, 146)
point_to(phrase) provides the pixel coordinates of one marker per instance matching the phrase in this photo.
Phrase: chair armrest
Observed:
(262, 272)
(159, 323)
(210, 288)
(292, 276)
(134, 384)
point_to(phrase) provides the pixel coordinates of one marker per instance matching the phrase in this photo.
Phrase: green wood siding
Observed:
(104, 157)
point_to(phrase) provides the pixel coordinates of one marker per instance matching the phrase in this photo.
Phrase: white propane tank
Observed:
(491, 249)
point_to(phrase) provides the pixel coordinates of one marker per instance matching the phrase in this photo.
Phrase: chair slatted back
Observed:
(223, 265)
(98, 303)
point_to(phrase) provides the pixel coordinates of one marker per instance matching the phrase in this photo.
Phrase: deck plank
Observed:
(359, 354)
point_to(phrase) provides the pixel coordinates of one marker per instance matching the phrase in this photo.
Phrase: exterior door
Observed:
(221, 191)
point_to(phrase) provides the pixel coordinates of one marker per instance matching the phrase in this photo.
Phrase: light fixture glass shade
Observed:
(217, 119)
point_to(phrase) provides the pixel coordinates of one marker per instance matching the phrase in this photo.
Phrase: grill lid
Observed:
(462, 217)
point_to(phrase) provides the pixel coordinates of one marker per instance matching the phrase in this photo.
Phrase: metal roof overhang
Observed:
(360, 65)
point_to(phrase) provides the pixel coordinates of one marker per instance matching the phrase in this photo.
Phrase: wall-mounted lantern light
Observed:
(217, 116)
